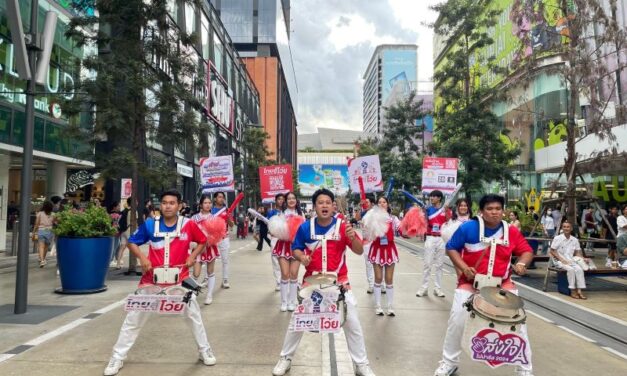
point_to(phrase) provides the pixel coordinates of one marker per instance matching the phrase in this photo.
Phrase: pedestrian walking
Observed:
(123, 233)
(261, 230)
(42, 231)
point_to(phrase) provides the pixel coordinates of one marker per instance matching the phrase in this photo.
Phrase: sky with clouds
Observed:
(332, 42)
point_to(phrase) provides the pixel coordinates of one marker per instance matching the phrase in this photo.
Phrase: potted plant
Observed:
(84, 247)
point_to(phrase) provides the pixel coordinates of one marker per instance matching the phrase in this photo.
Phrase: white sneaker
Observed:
(283, 307)
(421, 292)
(113, 367)
(437, 292)
(522, 372)
(282, 366)
(204, 282)
(608, 263)
(113, 264)
(382, 289)
(207, 357)
(378, 310)
(225, 284)
(391, 311)
(445, 369)
(208, 300)
(277, 287)
(370, 289)
(363, 370)
(291, 307)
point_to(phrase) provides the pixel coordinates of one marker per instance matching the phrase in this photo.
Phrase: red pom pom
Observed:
(414, 223)
(293, 223)
(214, 228)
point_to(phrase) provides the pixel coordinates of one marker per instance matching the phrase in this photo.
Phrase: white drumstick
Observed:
(258, 215)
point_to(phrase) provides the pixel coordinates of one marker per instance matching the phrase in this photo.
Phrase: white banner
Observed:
(216, 174)
(161, 304)
(369, 169)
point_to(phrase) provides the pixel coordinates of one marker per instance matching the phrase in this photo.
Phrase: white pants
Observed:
(455, 331)
(433, 260)
(135, 321)
(352, 331)
(224, 247)
(369, 267)
(575, 275)
(276, 268)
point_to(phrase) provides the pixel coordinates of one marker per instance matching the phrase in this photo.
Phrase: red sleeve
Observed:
(519, 243)
(196, 233)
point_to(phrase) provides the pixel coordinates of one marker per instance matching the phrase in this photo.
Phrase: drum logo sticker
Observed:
(161, 304)
(496, 349)
(318, 313)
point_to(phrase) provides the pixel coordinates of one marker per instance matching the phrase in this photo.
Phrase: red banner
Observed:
(274, 180)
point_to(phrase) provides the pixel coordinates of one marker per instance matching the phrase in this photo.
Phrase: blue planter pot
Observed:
(83, 264)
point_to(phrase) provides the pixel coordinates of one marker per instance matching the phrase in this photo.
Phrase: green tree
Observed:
(466, 127)
(590, 67)
(143, 86)
(255, 154)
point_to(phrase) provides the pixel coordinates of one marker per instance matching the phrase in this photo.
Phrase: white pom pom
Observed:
(376, 223)
(278, 227)
(448, 229)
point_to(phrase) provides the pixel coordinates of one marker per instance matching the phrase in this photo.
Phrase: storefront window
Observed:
(5, 124)
(217, 53)
(190, 18)
(205, 37)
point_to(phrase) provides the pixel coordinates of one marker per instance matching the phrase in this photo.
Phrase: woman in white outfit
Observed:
(359, 214)
(563, 250)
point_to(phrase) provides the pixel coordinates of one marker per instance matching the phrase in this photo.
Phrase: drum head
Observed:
(321, 279)
(306, 292)
(501, 298)
(176, 290)
(149, 290)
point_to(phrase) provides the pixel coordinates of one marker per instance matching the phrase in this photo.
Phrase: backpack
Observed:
(123, 221)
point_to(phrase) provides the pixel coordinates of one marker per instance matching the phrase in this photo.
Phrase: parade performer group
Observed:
(285, 226)
(307, 249)
(156, 231)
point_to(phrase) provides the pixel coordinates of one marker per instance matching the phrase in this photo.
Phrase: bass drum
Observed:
(308, 291)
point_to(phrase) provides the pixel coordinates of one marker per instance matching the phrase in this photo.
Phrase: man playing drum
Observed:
(180, 232)
(472, 257)
(309, 252)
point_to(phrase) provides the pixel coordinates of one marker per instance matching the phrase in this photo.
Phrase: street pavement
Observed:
(246, 330)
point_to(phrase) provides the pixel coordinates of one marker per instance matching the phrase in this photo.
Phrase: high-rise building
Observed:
(260, 30)
(392, 71)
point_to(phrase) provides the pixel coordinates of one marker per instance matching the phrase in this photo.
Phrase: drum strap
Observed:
(167, 236)
(493, 241)
(335, 235)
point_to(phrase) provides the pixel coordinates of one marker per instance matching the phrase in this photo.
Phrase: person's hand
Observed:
(520, 269)
(469, 272)
(350, 232)
(190, 261)
(305, 260)
(145, 264)
(34, 237)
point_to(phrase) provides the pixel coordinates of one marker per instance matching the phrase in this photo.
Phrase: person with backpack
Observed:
(123, 233)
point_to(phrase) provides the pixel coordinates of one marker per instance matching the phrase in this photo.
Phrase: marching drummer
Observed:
(288, 264)
(219, 205)
(208, 257)
(472, 257)
(156, 231)
(325, 224)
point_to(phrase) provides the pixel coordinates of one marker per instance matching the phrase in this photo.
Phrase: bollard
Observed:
(16, 235)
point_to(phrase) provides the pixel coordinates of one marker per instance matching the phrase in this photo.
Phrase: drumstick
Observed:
(414, 199)
(237, 200)
(389, 190)
(258, 215)
(450, 198)
(362, 193)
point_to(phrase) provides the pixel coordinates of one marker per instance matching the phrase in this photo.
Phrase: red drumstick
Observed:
(237, 200)
(362, 193)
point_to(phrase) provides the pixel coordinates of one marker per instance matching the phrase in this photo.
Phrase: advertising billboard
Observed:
(274, 180)
(312, 177)
(216, 174)
(369, 169)
(399, 69)
(439, 173)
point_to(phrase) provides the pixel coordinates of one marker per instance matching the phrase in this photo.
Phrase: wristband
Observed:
(521, 263)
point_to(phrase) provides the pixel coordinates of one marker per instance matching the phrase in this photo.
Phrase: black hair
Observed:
(215, 194)
(171, 192)
(515, 214)
(284, 195)
(113, 205)
(203, 197)
(490, 198)
(458, 202)
(55, 199)
(129, 202)
(298, 209)
(437, 193)
(322, 191)
(386, 200)
(47, 207)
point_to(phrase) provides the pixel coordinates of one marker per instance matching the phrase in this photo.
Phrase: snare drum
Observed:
(322, 279)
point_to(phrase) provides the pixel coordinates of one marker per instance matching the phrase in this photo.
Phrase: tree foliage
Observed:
(466, 128)
(143, 85)
(591, 45)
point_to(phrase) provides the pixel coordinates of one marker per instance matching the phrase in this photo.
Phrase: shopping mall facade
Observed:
(535, 113)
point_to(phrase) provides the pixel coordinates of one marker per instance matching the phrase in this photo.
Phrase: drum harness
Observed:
(323, 241)
(167, 274)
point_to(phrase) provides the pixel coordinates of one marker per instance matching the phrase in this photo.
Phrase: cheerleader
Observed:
(384, 255)
(279, 200)
(219, 205)
(208, 257)
(293, 218)
(359, 214)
